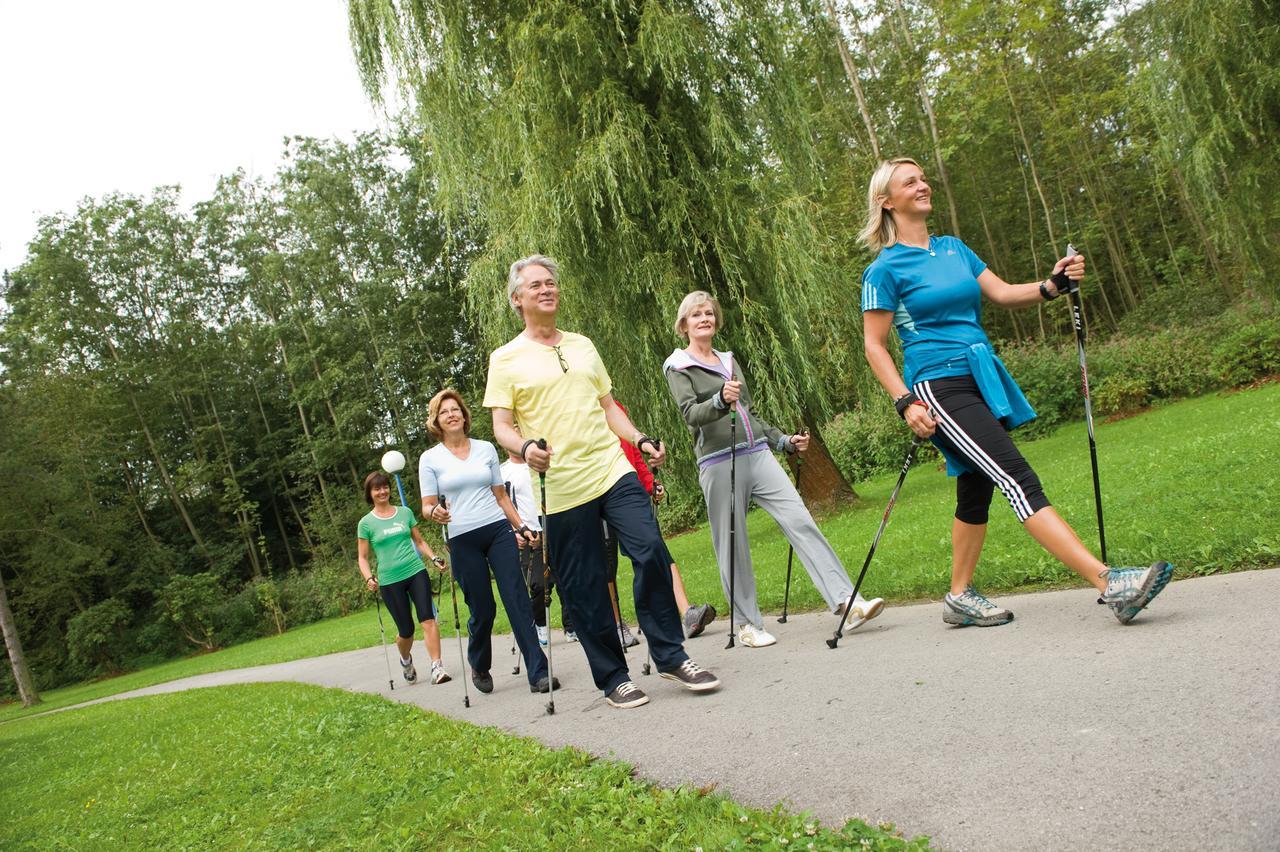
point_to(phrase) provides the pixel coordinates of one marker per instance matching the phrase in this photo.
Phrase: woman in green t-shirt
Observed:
(391, 533)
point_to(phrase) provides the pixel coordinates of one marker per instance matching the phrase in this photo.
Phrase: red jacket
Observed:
(636, 457)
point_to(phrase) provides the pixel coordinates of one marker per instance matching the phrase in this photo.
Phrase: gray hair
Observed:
(880, 231)
(513, 277)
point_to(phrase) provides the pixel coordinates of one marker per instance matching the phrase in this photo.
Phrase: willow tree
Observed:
(652, 147)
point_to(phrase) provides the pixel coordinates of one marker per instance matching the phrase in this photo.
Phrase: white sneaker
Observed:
(570, 636)
(543, 636)
(863, 611)
(755, 637)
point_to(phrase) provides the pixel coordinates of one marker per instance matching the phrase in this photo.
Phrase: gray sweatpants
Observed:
(760, 477)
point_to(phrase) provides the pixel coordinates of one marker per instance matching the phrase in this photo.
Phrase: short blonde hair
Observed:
(691, 301)
(879, 231)
(433, 412)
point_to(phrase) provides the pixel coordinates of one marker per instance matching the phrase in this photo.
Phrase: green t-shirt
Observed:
(392, 544)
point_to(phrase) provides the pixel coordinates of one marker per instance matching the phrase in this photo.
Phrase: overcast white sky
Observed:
(128, 95)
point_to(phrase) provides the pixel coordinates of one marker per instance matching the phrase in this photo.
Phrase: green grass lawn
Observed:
(1190, 482)
(292, 766)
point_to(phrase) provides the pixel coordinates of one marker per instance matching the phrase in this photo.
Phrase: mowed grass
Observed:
(1191, 482)
(288, 766)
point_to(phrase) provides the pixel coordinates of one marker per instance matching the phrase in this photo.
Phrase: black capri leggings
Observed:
(968, 429)
(397, 596)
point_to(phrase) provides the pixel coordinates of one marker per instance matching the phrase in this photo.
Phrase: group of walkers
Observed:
(555, 416)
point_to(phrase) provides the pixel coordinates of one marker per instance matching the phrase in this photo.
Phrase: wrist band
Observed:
(1044, 291)
(1063, 282)
(525, 446)
(903, 402)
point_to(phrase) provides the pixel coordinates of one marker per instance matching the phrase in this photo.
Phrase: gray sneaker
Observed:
(969, 607)
(410, 673)
(696, 619)
(1129, 590)
(625, 637)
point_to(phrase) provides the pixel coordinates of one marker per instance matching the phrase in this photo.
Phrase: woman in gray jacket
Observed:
(706, 384)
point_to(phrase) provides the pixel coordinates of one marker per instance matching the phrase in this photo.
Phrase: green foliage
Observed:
(268, 596)
(288, 766)
(1248, 353)
(93, 636)
(870, 440)
(192, 603)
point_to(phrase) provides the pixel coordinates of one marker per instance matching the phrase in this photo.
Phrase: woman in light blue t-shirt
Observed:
(955, 390)
(462, 490)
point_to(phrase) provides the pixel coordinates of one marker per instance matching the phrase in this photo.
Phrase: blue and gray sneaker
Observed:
(969, 607)
(1129, 590)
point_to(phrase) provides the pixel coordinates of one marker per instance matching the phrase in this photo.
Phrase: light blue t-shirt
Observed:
(936, 303)
(466, 485)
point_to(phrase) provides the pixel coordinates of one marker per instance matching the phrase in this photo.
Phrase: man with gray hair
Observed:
(554, 383)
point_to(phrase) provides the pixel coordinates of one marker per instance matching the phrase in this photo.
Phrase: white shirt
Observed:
(516, 475)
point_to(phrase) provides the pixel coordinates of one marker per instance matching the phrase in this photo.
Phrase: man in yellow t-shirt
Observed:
(554, 384)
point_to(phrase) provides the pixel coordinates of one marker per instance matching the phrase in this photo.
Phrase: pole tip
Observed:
(831, 643)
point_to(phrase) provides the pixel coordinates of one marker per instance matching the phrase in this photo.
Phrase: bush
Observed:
(1121, 395)
(868, 440)
(192, 603)
(1250, 352)
(238, 618)
(268, 596)
(1049, 376)
(94, 636)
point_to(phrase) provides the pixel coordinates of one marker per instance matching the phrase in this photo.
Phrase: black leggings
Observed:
(531, 565)
(968, 430)
(397, 596)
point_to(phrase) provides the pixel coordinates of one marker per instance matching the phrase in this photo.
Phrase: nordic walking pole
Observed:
(791, 551)
(658, 489)
(733, 497)
(377, 602)
(511, 495)
(546, 587)
(916, 442)
(1077, 319)
(457, 624)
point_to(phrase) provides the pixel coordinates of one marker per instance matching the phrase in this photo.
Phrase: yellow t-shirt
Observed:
(562, 406)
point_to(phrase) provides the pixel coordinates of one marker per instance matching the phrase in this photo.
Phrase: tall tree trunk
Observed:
(822, 485)
(927, 103)
(852, 73)
(17, 660)
(174, 496)
(278, 467)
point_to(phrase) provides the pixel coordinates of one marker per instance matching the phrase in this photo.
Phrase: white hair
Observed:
(513, 277)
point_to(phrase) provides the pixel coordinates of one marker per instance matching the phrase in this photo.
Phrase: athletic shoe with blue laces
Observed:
(969, 607)
(1129, 590)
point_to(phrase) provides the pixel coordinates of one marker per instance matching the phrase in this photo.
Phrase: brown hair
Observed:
(377, 479)
(433, 412)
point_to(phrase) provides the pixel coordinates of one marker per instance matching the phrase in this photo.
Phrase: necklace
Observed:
(932, 253)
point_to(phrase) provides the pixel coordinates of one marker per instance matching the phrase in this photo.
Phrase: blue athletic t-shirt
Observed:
(936, 303)
(466, 484)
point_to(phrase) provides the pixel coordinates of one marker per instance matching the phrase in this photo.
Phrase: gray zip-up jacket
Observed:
(696, 389)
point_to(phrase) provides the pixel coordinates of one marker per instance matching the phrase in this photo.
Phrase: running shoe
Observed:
(696, 619)
(542, 684)
(969, 607)
(625, 637)
(570, 636)
(483, 681)
(626, 695)
(863, 611)
(692, 677)
(543, 636)
(438, 674)
(1129, 590)
(755, 637)
(407, 669)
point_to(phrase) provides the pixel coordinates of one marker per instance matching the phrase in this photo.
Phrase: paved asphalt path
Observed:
(1062, 730)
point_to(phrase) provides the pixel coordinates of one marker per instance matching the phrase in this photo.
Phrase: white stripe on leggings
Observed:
(1006, 483)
